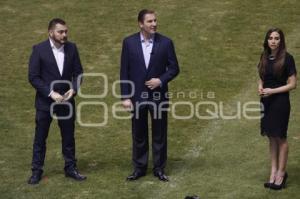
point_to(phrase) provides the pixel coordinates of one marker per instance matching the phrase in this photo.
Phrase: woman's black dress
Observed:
(276, 108)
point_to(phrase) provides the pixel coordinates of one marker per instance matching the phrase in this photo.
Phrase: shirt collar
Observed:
(143, 39)
(54, 47)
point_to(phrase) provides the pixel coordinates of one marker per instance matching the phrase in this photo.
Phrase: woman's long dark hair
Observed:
(279, 57)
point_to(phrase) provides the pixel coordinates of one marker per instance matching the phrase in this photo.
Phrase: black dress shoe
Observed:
(135, 175)
(73, 173)
(280, 186)
(161, 176)
(35, 178)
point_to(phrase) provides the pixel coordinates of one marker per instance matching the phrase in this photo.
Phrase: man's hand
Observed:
(68, 95)
(56, 96)
(153, 83)
(127, 104)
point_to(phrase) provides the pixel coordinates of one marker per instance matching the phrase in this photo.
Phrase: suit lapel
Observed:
(66, 51)
(140, 51)
(52, 58)
(155, 48)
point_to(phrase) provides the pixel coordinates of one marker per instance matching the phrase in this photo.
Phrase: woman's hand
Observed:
(260, 90)
(266, 92)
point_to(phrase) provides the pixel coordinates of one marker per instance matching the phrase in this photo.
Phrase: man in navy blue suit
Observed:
(54, 71)
(148, 63)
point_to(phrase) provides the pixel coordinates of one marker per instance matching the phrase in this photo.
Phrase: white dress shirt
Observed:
(147, 48)
(59, 55)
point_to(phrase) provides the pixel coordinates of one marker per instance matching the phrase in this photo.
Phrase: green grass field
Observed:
(218, 44)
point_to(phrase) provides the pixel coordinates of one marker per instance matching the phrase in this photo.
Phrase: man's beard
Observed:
(60, 41)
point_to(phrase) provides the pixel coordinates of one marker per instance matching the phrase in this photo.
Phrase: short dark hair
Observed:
(55, 21)
(142, 13)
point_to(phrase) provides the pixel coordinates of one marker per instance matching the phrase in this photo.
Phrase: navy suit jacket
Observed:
(43, 70)
(163, 65)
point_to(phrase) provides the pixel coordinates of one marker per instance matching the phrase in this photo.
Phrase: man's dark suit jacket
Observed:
(43, 70)
(163, 65)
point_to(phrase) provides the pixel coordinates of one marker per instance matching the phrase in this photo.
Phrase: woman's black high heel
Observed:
(268, 184)
(282, 185)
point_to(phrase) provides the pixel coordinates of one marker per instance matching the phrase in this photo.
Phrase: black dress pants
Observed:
(66, 125)
(140, 139)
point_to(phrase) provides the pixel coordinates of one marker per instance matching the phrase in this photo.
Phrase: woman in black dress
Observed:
(277, 73)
